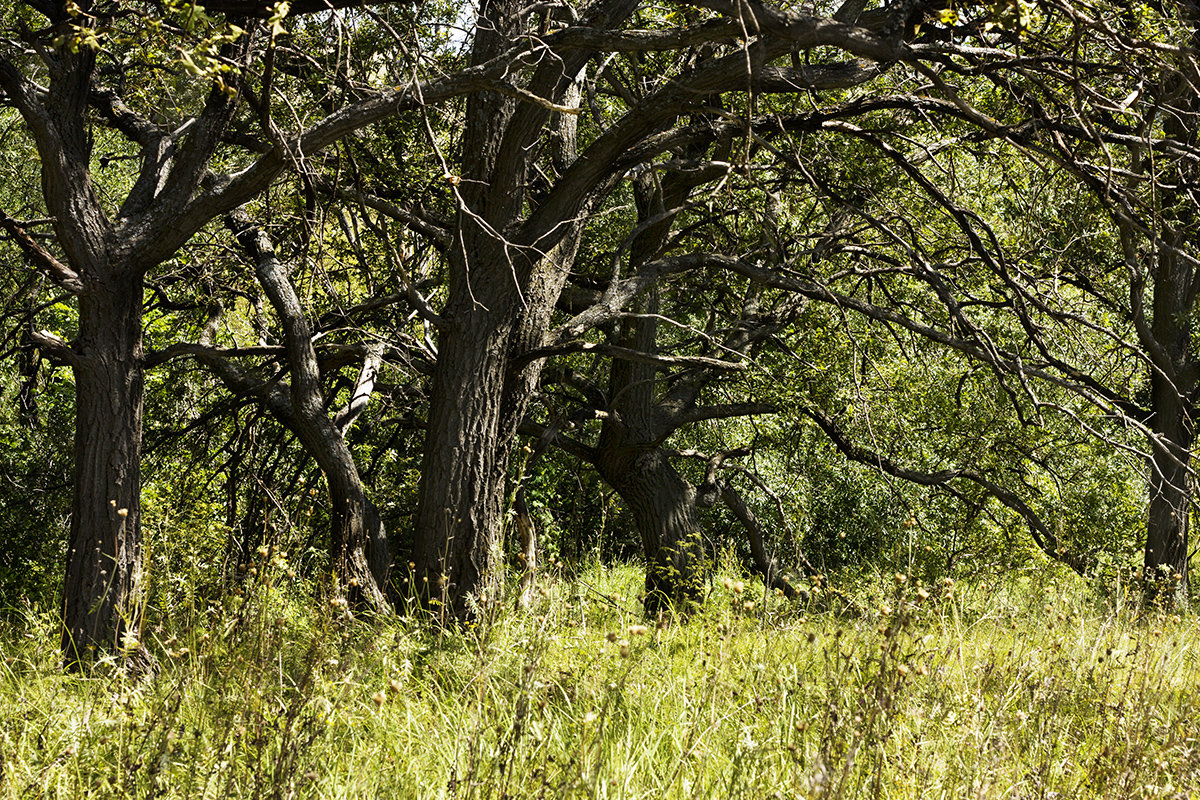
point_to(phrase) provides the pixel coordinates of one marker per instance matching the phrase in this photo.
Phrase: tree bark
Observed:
(663, 505)
(1165, 564)
(629, 456)
(1174, 362)
(461, 497)
(358, 545)
(1166, 556)
(763, 563)
(499, 296)
(101, 592)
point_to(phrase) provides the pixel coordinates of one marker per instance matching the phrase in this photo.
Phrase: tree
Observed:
(358, 541)
(518, 220)
(106, 249)
(1091, 302)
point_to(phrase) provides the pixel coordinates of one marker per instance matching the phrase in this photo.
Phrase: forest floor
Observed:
(1016, 688)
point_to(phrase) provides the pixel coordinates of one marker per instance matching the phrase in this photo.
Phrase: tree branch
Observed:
(1043, 537)
(39, 258)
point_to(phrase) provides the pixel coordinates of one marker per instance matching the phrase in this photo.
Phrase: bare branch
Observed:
(39, 258)
(360, 395)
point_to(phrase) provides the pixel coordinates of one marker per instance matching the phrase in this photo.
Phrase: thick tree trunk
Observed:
(477, 400)
(663, 505)
(101, 591)
(459, 510)
(501, 297)
(461, 496)
(1173, 381)
(1166, 557)
(629, 456)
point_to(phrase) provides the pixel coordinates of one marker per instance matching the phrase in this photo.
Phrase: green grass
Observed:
(1016, 690)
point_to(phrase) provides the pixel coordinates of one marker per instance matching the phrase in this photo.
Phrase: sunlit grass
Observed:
(1022, 688)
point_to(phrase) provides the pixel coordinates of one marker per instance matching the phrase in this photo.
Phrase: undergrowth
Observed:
(1025, 688)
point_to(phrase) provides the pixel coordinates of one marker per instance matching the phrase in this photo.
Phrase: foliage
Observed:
(35, 480)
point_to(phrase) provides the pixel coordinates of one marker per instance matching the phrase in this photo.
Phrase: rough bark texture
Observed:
(462, 489)
(101, 600)
(358, 545)
(1169, 481)
(663, 506)
(630, 457)
(500, 300)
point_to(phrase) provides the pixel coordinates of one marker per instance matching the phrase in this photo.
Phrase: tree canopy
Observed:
(420, 291)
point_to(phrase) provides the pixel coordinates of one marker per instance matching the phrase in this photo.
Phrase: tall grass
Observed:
(884, 689)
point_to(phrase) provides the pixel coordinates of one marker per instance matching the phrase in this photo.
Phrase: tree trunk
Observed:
(629, 456)
(474, 399)
(358, 545)
(1165, 566)
(101, 591)
(1166, 557)
(459, 509)
(1169, 482)
(763, 563)
(1173, 384)
(663, 505)
(477, 400)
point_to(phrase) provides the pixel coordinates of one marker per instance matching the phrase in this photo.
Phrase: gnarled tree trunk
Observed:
(663, 505)
(358, 545)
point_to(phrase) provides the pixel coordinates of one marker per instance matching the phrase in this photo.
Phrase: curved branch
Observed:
(1043, 537)
(40, 258)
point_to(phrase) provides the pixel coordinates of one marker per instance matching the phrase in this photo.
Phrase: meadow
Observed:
(1017, 687)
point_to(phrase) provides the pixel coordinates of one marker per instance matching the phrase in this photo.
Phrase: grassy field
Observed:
(1028, 687)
